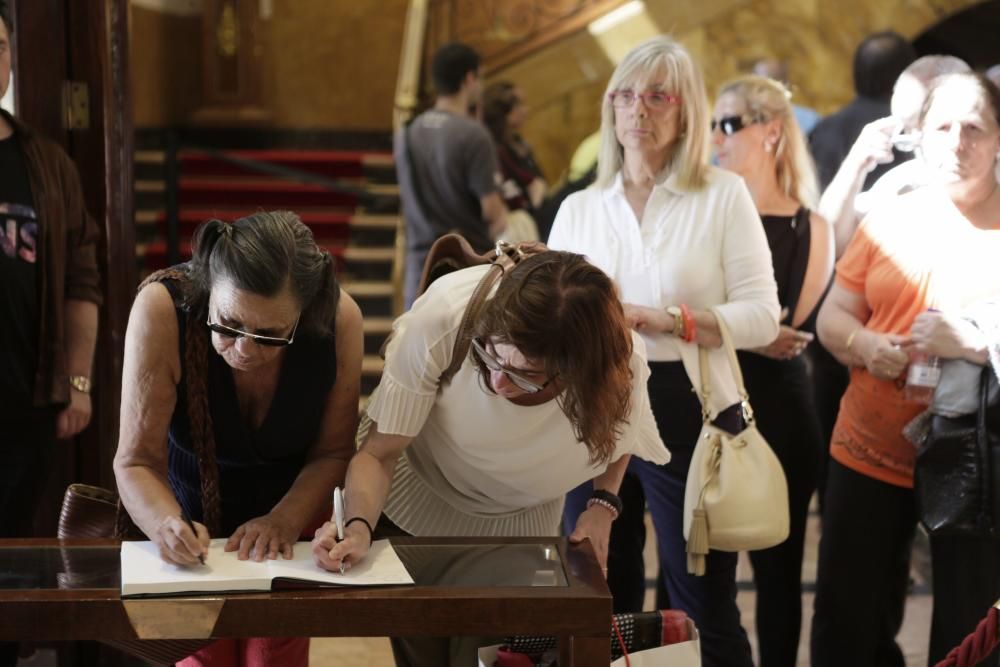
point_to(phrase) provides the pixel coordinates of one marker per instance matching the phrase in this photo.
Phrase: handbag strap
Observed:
(507, 257)
(983, 445)
(705, 391)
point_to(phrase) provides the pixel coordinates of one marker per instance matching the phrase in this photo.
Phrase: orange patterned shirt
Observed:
(915, 253)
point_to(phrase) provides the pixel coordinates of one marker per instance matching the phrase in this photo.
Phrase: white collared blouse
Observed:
(704, 248)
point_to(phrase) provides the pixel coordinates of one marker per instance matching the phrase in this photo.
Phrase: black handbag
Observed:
(957, 473)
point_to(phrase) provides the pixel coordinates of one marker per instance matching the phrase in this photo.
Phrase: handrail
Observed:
(407, 96)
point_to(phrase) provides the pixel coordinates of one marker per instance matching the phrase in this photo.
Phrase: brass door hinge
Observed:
(76, 105)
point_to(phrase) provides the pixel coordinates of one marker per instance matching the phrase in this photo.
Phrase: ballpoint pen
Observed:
(190, 523)
(338, 519)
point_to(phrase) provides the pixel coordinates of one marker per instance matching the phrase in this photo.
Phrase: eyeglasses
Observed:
(730, 125)
(655, 100)
(494, 364)
(270, 341)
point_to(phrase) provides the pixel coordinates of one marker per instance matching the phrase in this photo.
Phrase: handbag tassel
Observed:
(697, 545)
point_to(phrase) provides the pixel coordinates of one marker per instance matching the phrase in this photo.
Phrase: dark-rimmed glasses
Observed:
(270, 341)
(730, 125)
(494, 364)
(655, 100)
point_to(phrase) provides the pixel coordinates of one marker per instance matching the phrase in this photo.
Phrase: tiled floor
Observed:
(370, 652)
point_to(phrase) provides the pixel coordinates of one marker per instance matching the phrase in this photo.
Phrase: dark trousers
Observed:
(863, 571)
(786, 417)
(709, 600)
(966, 584)
(27, 446)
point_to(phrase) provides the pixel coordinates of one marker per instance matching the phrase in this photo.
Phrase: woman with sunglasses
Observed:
(239, 402)
(552, 393)
(755, 135)
(685, 245)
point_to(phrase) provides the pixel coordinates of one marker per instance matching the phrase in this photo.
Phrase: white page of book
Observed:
(143, 572)
(381, 567)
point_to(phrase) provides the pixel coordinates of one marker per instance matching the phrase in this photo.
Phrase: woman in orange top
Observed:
(901, 285)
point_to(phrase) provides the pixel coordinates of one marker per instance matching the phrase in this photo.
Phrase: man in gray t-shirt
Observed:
(447, 167)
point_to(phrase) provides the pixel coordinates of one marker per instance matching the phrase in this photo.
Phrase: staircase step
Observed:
(377, 325)
(258, 193)
(369, 254)
(368, 288)
(372, 365)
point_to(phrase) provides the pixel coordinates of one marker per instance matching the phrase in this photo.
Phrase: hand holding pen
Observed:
(190, 524)
(337, 546)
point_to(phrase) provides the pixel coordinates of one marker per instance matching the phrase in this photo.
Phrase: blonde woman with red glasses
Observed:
(684, 244)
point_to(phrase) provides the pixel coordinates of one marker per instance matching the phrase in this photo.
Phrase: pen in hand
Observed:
(338, 519)
(190, 523)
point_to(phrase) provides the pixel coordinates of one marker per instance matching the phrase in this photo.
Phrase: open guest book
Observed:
(145, 573)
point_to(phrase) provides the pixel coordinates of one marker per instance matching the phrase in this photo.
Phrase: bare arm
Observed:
(328, 458)
(369, 477)
(594, 523)
(81, 340)
(842, 320)
(494, 213)
(149, 393)
(871, 148)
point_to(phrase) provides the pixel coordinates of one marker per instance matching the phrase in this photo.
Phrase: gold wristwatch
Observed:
(678, 316)
(80, 382)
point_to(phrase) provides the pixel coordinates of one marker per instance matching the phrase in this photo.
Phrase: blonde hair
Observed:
(766, 100)
(689, 161)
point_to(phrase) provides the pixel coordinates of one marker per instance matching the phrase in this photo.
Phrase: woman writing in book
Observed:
(239, 402)
(552, 392)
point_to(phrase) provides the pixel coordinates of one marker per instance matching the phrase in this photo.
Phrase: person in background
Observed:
(530, 413)
(878, 62)
(911, 269)
(772, 68)
(49, 303)
(449, 179)
(239, 403)
(504, 113)
(756, 136)
(843, 202)
(685, 245)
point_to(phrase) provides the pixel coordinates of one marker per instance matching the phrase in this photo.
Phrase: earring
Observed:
(768, 146)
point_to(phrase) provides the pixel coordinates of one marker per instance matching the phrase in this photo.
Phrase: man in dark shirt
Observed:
(446, 162)
(878, 62)
(49, 296)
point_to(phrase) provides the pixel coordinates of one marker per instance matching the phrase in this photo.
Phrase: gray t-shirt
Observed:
(454, 164)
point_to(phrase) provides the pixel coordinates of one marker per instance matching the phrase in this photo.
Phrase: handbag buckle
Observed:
(747, 411)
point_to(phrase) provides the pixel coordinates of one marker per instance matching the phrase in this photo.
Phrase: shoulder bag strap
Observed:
(507, 257)
(985, 467)
(734, 365)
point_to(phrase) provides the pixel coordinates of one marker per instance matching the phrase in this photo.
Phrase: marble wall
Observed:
(333, 65)
(817, 38)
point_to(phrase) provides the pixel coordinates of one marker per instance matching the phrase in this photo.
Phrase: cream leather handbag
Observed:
(736, 498)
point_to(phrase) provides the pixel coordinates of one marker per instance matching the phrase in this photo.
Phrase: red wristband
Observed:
(690, 330)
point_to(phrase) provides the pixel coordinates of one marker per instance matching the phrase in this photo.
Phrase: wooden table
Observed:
(52, 590)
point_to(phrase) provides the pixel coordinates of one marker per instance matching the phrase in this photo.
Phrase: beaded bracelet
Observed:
(605, 504)
(371, 533)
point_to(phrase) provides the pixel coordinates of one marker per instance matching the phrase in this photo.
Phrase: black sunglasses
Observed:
(730, 125)
(494, 364)
(270, 341)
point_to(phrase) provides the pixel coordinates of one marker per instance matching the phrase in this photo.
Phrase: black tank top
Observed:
(256, 466)
(789, 237)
